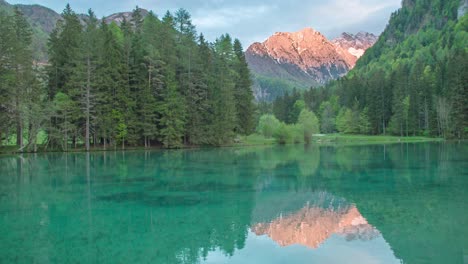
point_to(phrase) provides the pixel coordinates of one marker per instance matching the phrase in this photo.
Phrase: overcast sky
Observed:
(254, 20)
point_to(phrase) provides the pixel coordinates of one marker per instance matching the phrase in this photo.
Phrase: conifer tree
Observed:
(22, 76)
(243, 92)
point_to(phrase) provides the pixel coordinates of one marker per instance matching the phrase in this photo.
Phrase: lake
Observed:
(400, 203)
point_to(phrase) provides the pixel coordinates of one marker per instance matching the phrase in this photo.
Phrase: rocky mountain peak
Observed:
(306, 57)
(310, 51)
(356, 44)
(306, 49)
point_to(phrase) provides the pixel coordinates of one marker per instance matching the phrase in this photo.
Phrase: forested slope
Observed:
(413, 81)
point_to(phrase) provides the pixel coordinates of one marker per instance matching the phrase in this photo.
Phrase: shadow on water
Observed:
(181, 206)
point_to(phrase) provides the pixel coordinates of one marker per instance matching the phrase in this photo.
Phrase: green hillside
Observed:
(42, 21)
(413, 81)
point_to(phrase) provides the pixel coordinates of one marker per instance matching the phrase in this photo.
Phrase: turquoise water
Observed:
(403, 203)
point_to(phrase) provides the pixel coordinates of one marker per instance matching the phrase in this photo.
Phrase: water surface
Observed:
(403, 203)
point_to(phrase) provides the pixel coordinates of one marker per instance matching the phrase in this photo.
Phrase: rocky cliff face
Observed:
(118, 18)
(306, 51)
(306, 58)
(354, 45)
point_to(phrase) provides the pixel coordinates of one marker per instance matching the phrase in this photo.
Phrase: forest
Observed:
(146, 82)
(413, 82)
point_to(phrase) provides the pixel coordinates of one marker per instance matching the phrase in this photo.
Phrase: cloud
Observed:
(228, 17)
(352, 13)
(255, 20)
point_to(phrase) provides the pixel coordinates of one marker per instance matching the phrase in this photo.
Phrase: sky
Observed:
(253, 20)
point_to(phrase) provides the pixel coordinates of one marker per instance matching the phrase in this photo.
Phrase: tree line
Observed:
(145, 82)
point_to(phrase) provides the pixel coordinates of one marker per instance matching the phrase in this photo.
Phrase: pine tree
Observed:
(399, 121)
(137, 78)
(6, 73)
(224, 107)
(64, 51)
(243, 92)
(364, 123)
(172, 118)
(111, 83)
(198, 106)
(64, 112)
(64, 63)
(85, 72)
(187, 72)
(151, 92)
(458, 92)
(21, 58)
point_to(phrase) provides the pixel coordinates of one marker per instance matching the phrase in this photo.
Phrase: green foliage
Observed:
(271, 88)
(22, 106)
(289, 133)
(288, 107)
(267, 125)
(347, 121)
(364, 124)
(64, 114)
(413, 80)
(284, 133)
(147, 81)
(328, 113)
(297, 132)
(172, 119)
(121, 128)
(310, 124)
(243, 92)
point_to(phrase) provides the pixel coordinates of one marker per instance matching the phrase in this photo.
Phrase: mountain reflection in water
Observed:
(311, 226)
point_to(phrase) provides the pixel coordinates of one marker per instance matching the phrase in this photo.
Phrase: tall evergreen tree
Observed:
(86, 68)
(243, 92)
(223, 99)
(21, 59)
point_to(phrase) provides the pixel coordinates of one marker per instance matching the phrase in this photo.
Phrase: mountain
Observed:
(43, 21)
(118, 18)
(355, 45)
(303, 59)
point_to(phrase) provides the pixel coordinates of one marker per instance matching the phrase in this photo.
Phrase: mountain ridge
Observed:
(305, 58)
(43, 21)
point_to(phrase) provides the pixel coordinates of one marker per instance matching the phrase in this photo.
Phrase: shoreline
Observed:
(256, 140)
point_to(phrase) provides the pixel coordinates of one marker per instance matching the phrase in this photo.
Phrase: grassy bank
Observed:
(365, 139)
(256, 139)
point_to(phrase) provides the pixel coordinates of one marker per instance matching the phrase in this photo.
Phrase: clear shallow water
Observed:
(364, 204)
